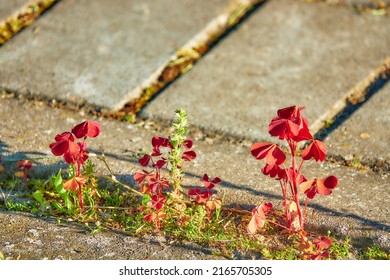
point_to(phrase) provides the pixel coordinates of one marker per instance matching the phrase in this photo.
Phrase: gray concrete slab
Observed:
(286, 53)
(97, 51)
(37, 238)
(7, 8)
(356, 209)
(364, 136)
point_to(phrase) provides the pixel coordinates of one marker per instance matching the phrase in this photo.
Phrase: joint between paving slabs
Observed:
(345, 107)
(194, 50)
(377, 8)
(23, 17)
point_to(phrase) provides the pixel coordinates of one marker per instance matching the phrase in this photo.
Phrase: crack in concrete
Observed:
(22, 18)
(193, 51)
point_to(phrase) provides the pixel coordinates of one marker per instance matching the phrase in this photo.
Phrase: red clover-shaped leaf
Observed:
(75, 183)
(157, 202)
(144, 161)
(322, 243)
(210, 184)
(158, 141)
(271, 170)
(283, 128)
(287, 123)
(89, 129)
(140, 177)
(316, 150)
(64, 143)
(303, 135)
(160, 163)
(189, 155)
(258, 217)
(271, 152)
(188, 144)
(321, 186)
(24, 164)
(200, 196)
(293, 113)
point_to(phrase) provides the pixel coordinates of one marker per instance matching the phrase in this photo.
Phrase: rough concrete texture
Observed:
(97, 52)
(364, 135)
(286, 53)
(356, 209)
(7, 8)
(36, 238)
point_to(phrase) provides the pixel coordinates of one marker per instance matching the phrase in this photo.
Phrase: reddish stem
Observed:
(292, 145)
(81, 197)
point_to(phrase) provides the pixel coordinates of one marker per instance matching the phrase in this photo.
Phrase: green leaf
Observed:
(58, 206)
(68, 203)
(38, 196)
(72, 171)
(59, 188)
(57, 181)
(145, 199)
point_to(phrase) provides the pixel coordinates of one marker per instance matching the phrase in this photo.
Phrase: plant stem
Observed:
(292, 145)
(177, 140)
(114, 179)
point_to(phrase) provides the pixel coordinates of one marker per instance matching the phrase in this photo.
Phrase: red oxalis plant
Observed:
(75, 153)
(291, 126)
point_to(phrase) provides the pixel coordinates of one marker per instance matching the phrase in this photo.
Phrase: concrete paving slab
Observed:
(364, 135)
(286, 53)
(98, 52)
(357, 208)
(37, 238)
(7, 8)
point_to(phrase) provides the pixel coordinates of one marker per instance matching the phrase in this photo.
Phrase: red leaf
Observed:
(206, 182)
(75, 183)
(293, 113)
(216, 180)
(331, 182)
(325, 186)
(260, 150)
(157, 202)
(271, 152)
(271, 170)
(144, 161)
(283, 128)
(156, 152)
(188, 144)
(257, 220)
(86, 129)
(303, 135)
(160, 163)
(194, 191)
(189, 155)
(64, 136)
(316, 150)
(201, 196)
(158, 141)
(59, 148)
(322, 186)
(64, 143)
(24, 164)
(322, 243)
(266, 207)
(309, 188)
(139, 177)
